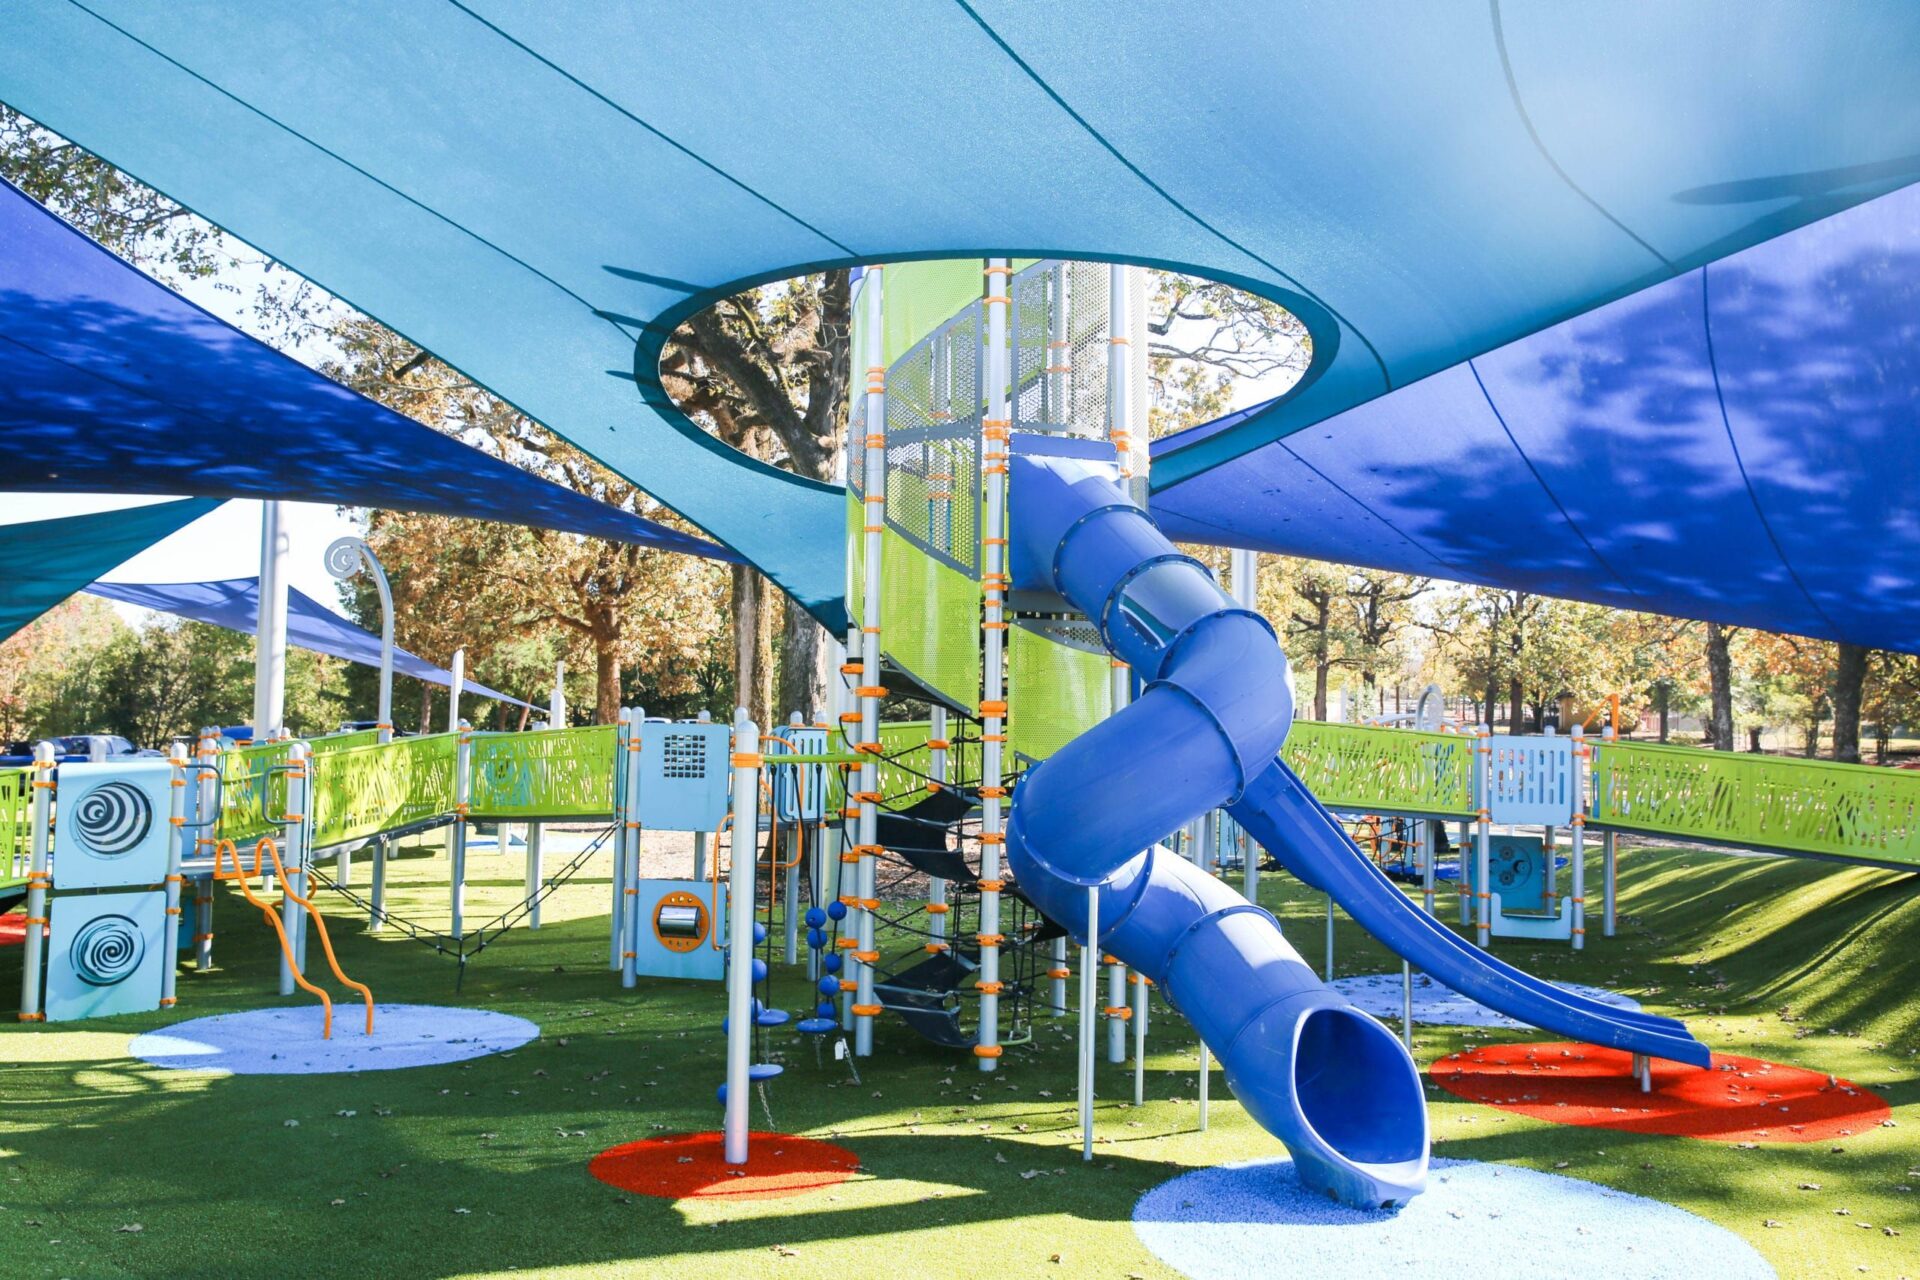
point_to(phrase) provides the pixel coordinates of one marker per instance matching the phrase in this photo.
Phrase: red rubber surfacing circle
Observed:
(1738, 1099)
(682, 1166)
(13, 929)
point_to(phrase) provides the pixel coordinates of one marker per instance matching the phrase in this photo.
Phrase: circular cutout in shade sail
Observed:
(681, 1166)
(1737, 1099)
(286, 1041)
(1434, 1005)
(1256, 1220)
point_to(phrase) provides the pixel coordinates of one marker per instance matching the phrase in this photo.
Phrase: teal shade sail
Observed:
(42, 562)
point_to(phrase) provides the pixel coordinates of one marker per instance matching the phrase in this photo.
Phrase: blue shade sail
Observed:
(548, 194)
(111, 383)
(234, 603)
(42, 562)
(1741, 443)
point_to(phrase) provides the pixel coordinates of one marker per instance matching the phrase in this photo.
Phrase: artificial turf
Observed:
(110, 1167)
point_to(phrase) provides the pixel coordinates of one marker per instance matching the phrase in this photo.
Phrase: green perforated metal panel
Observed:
(1351, 766)
(1054, 693)
(1770, 802)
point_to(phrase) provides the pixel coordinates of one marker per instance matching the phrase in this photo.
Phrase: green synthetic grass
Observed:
(109, 1167)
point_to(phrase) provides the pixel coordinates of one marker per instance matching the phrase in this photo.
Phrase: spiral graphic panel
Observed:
(106, 955)
(110, 824)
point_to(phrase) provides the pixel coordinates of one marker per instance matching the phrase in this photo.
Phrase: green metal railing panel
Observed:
(363, 791)
(253, 791)
(558, 773)
(344, 741)
(1769, 802)
(1352, 766)
(16, 823)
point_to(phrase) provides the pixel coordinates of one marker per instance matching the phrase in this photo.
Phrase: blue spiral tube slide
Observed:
(1330, 1082)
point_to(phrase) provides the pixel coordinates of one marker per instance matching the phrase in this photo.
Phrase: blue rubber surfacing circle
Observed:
(1255, 1219)
(286, 1041)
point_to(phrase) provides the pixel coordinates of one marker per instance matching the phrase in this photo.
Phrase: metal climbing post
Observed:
(39, 880)
(996, 431)
(746, 839)
(1577, 838)
(1483, 835)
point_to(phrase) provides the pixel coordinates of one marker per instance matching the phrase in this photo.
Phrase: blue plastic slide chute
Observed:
(1330, 1082)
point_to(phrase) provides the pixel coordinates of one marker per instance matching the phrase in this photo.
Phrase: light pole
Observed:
(345, 557)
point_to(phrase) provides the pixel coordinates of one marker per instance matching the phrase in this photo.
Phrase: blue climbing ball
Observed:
(759, 932)
(816, 938)
(825, 1009)
(816, 917)
(759, 970)
(832, 963)
(838, 910)
(828, 986)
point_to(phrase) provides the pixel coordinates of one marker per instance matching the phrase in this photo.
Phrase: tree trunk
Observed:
(1720, 677)
(1849, 677)
(606, 679)
(1486, 708)
(426, 707)
(752, 645)
(803, 678)
(1320, 669)
(1516, 712)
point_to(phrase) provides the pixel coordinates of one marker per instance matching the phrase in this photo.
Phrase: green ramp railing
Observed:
(1404, 771)
(1856, 812)
(556, 773)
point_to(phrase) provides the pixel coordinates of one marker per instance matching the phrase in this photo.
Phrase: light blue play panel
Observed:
(1255, 1221)
(287, 1041)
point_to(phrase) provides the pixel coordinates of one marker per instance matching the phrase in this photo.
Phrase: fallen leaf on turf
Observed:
(132, 1229)
(336, 1201)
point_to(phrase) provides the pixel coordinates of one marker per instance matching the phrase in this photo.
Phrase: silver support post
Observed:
(937, 770)
(1142, 997)
(176, 840)
(1483, 836)
(996, 435)
(617, 873)
(1206, 1083)
(536, 871)
(791, 899)
(1429, 851)
(1610, 867)
(1406, 1004)
(293, 856)
(746, 838)
(1243, 582)
(38, 881)
(873, 457)
(1329, 976)
(1089, 1000)
(207, 815)
(270, 627)
(462, 798)
(1117, 1011)
(630, 830)
(1577, 838)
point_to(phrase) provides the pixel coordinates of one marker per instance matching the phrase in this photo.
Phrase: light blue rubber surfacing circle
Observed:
(1255, 1221)
(287, 1041)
